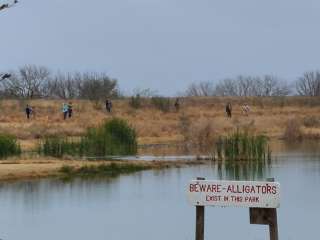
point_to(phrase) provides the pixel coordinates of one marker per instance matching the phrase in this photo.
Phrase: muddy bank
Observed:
(12, 170)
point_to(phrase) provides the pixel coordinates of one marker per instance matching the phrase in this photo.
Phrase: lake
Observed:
(153, 204)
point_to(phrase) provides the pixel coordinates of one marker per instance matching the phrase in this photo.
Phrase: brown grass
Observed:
(268, 116)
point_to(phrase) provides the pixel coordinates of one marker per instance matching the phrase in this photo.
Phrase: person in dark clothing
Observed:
(28, 111)
(177, 105)
(109, 105)
(229, 110)
(70, 110)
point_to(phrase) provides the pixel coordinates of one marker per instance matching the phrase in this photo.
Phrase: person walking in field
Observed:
(246, 109)
(177, 105)
(109, 105)
(28, 111)
(229, 110)
(70, 109)
(65, 110)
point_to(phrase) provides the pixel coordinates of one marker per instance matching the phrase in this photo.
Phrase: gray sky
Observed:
(163, 44)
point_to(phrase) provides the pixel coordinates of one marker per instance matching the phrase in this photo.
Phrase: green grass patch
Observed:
(8, 146)
(241, 145)
(113, 138)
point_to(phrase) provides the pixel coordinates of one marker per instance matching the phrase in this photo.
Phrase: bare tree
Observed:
(96, 87)
(309, 84)
(28, 82)
(252, 86)
(200, 89)
(227, 87)
(64, 86)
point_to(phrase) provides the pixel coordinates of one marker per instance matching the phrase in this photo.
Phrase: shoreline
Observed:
(28, 169)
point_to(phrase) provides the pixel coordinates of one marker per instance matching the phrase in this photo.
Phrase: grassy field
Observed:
(206, 116)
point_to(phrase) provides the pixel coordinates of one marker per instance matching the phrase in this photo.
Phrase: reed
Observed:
(8, 146)
(114, 137)
(243, 146)
(58, 147)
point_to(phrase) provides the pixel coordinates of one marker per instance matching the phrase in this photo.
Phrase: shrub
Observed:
(311, 121)
(292, 130)
(8, 146)
(161, 103)
(135, 102)
(114, 137)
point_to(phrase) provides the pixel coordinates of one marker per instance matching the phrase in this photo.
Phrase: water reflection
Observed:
(254, 170)
(153, 204)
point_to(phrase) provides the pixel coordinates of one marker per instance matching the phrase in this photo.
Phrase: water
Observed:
(153, 204)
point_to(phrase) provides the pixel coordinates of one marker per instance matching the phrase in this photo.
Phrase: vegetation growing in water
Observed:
(109, 170)
(58, 147)
(114, 137)
(8, 146)
(243, 146)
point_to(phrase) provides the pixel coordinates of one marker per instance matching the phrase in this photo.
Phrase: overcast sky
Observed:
(163, 44)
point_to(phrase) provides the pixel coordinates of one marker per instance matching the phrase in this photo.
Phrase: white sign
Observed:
(234, 193)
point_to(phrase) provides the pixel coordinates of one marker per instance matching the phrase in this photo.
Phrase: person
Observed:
(70, 109)
(108, 105)
(229, 110)
(65, 110)
(28, 111)
(246, 109)
(177, 105)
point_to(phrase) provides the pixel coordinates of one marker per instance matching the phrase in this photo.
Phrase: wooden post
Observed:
(266, 216)
(273, 225)
(200, 220)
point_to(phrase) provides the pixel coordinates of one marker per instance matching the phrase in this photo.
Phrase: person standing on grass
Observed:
(177, 105)
(65, 110)
(109, 105)
(70, 109)
(229, 110)
(28, 111)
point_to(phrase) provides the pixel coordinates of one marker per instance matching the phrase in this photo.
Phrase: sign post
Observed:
(200, 220)
(262, 199)
(266, 216)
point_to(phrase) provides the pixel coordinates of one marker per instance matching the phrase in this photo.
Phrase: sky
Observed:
(164, 45)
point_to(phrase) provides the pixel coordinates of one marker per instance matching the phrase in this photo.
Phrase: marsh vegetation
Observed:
(114, 137)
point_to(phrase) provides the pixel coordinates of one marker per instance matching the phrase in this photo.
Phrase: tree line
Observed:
(33, 81)
(266, 86)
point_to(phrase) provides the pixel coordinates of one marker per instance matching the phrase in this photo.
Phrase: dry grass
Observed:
(268, 116)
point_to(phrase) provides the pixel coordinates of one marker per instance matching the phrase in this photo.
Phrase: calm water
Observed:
(153, 204)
